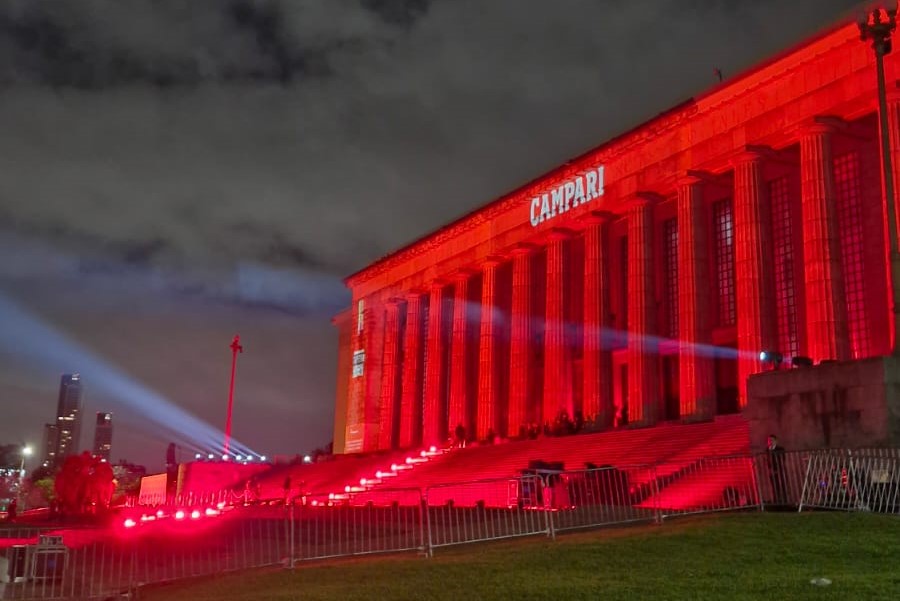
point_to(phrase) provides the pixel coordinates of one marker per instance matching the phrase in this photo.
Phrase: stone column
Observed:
(893, 114)
(643, 356)
(489, 363)
(434, 426)
(893, 117)
(557, 359)
(597, 383)
(374, 346)
(697, 389)
(459, 350)
(826, 308)
(754, 269)
(521, 356)
(391, 376)
(413, 378)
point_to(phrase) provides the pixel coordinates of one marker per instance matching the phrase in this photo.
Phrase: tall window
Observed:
(670, 240)
(849, 213)
(783, 242)
(723, 237)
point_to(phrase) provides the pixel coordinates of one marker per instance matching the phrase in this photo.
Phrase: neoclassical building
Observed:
(638, 282)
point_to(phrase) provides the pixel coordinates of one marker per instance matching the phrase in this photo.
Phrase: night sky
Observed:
(175, 171)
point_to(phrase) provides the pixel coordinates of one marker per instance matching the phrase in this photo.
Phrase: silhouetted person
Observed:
(776, 470)
(460, 436)
(579, 421)
(12, 511)
(287, 490)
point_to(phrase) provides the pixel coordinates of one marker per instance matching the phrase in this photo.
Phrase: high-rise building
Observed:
(68, 416)
(103, 431)
(51, 444)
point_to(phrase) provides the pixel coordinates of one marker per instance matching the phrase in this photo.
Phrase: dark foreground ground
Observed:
(748, 556)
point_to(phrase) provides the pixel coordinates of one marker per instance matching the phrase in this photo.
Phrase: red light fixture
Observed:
(179, 515)
(130, 523)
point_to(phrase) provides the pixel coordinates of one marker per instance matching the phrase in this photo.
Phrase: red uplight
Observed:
(160, 513)
(195, 515)
(362, 481)
(179, 515)
(211, 512)
(433, 449)
(130, 523)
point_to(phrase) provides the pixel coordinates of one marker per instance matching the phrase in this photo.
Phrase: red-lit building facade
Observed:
(749, 218)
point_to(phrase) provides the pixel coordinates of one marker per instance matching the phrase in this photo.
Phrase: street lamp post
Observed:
(877, 26)
(235, 349)
(26, 452)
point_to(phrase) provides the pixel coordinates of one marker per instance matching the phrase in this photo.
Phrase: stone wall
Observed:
(849, 404)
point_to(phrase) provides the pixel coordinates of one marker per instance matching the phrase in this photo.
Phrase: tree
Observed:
(84, 485)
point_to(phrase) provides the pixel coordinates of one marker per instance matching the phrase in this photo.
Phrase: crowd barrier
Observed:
(212, 537)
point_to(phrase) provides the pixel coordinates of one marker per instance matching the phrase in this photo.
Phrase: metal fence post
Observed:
(809, 463)
(291, 534)
(429, 549)
(547, 496)
(657, 509)
(754, 466)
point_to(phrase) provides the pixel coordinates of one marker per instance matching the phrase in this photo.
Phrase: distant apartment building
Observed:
(51, 444)
(103, 431)
(68, 416)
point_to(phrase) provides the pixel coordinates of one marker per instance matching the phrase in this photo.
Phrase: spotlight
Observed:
(210, 456)
(224, 457)
(773, 357)
(130, 523)
(262, 458)
(801, 362)
(249, 457)
(307, 459)
(198, 456)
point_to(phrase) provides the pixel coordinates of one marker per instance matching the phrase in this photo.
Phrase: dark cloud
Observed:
(248, 153)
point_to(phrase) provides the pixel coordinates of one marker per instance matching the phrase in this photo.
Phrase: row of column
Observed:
(826, 320)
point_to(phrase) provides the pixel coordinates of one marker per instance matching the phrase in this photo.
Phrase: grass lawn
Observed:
(747, 556)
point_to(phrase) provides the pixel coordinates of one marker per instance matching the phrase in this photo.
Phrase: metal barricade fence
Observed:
(338, 525)
(205, 539)
(99, 562)
(602, 497)
(862, 480)
(485, 510)
(780, 477)
(708, 485)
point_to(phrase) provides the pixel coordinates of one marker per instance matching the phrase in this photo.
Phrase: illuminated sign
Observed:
(359, 360)
(568, 195)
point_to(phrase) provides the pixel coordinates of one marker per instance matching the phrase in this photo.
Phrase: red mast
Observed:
(235, 349)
